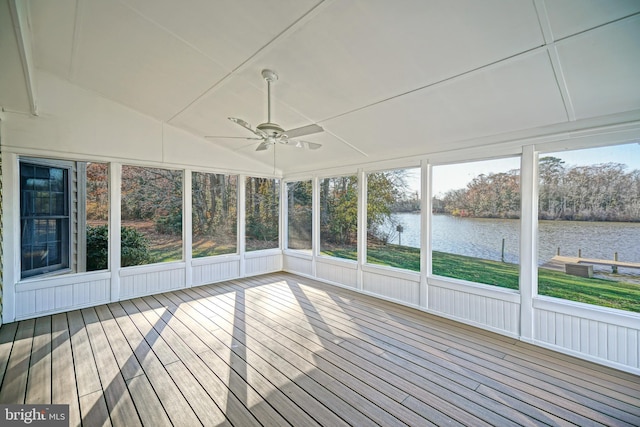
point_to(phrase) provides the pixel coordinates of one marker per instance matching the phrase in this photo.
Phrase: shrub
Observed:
(134, 247)
(97, 247)
(170, 224)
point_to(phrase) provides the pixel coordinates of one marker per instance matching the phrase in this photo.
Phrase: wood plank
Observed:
(94, 409)
(63, 385)
(86, 372)
(217, 355)
(150, 409)
(39, 385)
(7, 339)
(160, 348)
(201, 402)
(119, 404)
(147, 403)
(127, 362)
(14, 384)
(220, 399)
(173, 402)
(395, 376)
(255, 362)
(353, 407)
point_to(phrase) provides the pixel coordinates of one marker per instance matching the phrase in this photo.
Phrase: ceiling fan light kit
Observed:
(271, 133)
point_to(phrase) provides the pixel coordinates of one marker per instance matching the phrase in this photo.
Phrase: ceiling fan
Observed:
(271, 133)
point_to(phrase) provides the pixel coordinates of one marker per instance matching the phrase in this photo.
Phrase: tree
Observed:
(262, 208)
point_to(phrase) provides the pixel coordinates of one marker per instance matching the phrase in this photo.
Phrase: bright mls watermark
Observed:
(34, 415)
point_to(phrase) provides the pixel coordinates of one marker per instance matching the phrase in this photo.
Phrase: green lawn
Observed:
(606, 293)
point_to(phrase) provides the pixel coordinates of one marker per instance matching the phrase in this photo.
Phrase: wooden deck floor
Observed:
(280, 350)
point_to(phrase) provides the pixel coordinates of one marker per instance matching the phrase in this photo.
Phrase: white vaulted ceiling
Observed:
(386, 79)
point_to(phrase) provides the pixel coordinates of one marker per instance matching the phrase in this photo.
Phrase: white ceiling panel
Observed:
(228, 31)
(357, 52)
(134, 61)
(602, 69)
(519, 94)
(53, 24)
(569, 17)
(13, 88)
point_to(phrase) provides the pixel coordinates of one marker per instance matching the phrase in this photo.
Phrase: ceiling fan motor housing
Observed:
(271, 129)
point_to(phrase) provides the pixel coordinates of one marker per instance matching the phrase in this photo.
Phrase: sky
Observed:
(456, 176)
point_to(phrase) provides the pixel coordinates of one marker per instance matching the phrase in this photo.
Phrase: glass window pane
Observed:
(299, 200)
(97, 216)
(53, 253)
(56, 179)
(151, 215)
(475, 221)
(589, 217)
(42, 203)
(214, 214)
(339, 217)
(38, 256)
(393, 218)
(262, 207)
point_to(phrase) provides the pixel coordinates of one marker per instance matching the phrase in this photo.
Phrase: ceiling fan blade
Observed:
(305, 144)
(247, 126)
(231, 137)
(263, 146)
(304, 130)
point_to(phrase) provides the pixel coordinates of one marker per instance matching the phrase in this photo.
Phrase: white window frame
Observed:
(66, 249)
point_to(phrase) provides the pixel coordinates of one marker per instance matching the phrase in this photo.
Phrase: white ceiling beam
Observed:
(19, 17)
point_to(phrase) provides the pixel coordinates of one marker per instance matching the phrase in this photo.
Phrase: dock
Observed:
(609, 262)
(559, 262)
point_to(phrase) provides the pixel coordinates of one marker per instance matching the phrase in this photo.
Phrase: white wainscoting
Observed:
(63, 293)
(261, 262)
(298, 263)
(338, 272)
(604, 336)
(151, 279)
(495, 309)
(395, 285)
(215, 269)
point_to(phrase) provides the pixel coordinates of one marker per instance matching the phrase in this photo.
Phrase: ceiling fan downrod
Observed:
(269, 76)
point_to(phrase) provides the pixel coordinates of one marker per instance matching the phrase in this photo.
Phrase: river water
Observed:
(482, 238)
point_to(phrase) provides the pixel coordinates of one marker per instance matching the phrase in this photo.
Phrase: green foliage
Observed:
(597, 192)
(97, 247)
(339, 210)
(134, 248)
(299, 221)
(170, 224)
(496, 195)
(262, 209)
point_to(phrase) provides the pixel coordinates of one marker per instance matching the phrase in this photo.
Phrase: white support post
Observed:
(529, 241)
(284, 217)
(362, 226)
(187, 227)
(242, 215)
(10, 235)
(115, 235)
(315, 227)
(425, 231)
